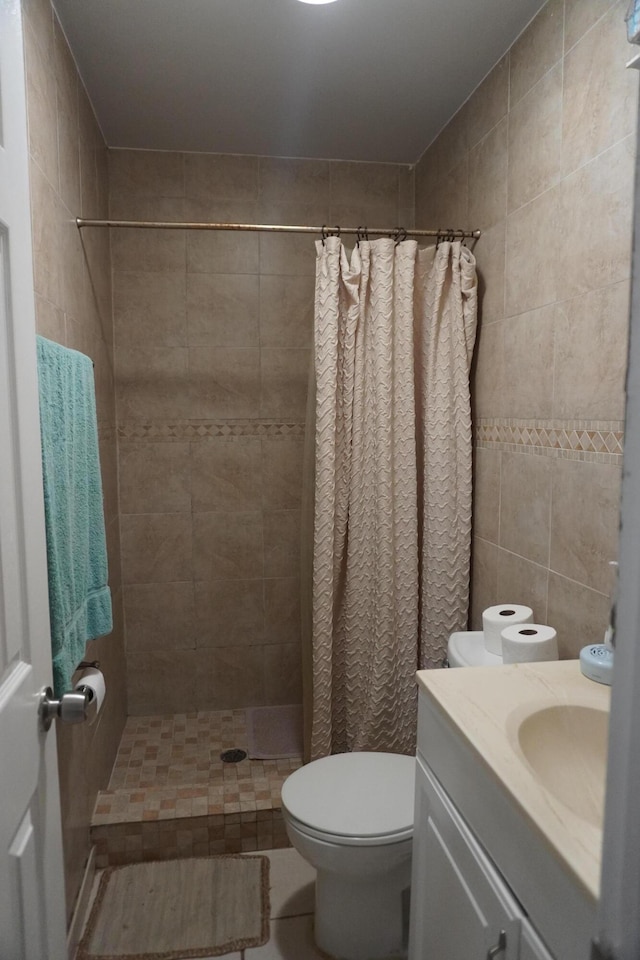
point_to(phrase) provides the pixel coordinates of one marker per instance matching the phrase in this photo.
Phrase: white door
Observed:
(32, 919)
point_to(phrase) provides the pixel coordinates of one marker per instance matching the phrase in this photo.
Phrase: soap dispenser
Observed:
(596, 660)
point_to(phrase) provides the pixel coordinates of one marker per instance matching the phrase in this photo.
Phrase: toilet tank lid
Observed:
(353, 794)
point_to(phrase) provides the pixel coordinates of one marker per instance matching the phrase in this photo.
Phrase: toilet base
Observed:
(361, 919)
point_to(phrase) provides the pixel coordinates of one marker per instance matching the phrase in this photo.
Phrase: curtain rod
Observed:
(324, 231)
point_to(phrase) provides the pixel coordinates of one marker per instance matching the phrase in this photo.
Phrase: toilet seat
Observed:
(353, 799)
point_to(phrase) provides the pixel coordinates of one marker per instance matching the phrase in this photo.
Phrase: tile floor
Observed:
(170, 794)
(292, 903)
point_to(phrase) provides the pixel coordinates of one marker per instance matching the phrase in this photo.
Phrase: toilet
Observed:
(350, 816)
(466, 649)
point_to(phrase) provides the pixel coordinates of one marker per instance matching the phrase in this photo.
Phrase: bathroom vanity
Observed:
(509, 807)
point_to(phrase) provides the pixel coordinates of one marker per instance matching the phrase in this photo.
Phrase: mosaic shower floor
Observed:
(170, 794)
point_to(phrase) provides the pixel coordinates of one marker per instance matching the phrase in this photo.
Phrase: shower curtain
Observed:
(394, 336)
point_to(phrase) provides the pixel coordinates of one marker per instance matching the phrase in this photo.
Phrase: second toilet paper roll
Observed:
(529, 642)
(495, 619)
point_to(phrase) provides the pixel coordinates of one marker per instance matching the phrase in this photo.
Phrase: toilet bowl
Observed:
(351, 817)
(466, 649)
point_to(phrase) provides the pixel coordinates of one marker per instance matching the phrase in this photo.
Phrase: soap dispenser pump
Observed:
(596, 660)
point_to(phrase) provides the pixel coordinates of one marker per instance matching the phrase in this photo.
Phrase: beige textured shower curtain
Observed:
(394, 336)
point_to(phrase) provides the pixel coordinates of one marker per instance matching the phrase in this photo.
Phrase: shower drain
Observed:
(233, 756)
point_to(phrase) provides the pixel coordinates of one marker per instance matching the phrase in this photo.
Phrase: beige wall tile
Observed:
(152, 382)
(488, 178)
(375, 184)
(229, 613)
(490, 259)
(488, 373)
(294, 181)
(579, 615)
(230, 677)
(295, 254)
(41, 104)
(453, 142)
(533, 239)
(221, 176)
(486, 494)
(210, 251)
(581, 15)
(449, 202)
(154, 251)
(156, 547)
(282, 610)
(406, 188)
(149, 308)
(525, 505)
(159, 616)
(163, 681)
(284, 377)
(224, 382)
(281, 543)
(282, 474)
(356, 214)
(283, 673)
(591, 355)
(484, 581)
(596, 215)
(226, 474)
(600, 94)
(286, 311)
(50, 320)
(146, 173)
(223, 310)
(584, 521)
(489, 103)
(536, 50)
(45, 236)
(228, 546)
(535, 139)
(520, 581)
(154, 477)
(528, 363)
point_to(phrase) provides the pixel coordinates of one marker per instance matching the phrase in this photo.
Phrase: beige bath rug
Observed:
(175, 909)
(274, 733)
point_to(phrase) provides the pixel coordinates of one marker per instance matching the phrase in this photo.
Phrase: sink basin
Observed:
(565, 746)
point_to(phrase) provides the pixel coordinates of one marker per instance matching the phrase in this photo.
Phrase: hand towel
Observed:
(79, 597)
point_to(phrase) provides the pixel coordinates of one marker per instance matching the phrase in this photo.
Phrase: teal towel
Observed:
(79, 598)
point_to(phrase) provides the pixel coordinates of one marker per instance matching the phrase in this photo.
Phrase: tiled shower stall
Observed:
(213, 339)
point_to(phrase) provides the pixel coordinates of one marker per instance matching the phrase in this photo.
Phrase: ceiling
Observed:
(353, 80)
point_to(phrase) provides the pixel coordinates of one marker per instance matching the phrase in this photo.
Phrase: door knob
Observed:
(73, 707)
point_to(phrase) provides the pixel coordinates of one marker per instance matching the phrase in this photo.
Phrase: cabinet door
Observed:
(531, 946)
(459, 903)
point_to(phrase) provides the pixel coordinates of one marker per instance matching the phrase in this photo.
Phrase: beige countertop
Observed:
(550, 761)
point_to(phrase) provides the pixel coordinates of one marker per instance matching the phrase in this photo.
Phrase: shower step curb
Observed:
(154, 832)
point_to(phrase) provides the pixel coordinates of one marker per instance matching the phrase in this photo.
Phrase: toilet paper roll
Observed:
(495, 619)
(529, 642)
(94, 679)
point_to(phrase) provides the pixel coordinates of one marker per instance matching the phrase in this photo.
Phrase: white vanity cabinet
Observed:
(461, 907)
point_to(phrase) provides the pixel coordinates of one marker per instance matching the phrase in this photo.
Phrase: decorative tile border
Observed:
(172, 430)
(599, 441)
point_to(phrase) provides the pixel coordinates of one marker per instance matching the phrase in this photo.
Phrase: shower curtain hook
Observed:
(401, 235)
(324, 233)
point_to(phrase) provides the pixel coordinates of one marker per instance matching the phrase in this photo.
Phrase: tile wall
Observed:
(68, 174)
(213, 334)
(541, 159)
